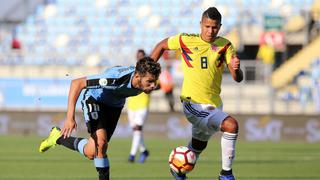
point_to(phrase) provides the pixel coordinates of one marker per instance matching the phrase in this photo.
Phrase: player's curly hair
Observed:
(212, 13)
(148, 65)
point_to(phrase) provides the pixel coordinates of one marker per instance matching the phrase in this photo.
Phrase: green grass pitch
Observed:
(20, 160)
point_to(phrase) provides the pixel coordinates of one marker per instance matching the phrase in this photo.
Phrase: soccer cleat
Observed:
(178, 176)
(51, 141)
(226, 177)
(131, 158)
(143, 156)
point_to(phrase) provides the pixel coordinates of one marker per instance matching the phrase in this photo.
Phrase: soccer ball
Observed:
(182, 160)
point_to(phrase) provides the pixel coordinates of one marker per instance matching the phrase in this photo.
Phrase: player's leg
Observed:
(135, 141)
(51, 140)
(55, 138)
(219, 120)
(136, 120)
(144, 153)
(206, 121)
(74, 143)
(229, 127)
(170, 99)
(138, 143)
(100, 158)
(91, 110)
(199, 139)
(197, 146)
(106, 124)
(141, 118)
(197, 115)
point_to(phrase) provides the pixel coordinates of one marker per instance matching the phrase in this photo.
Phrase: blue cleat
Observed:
(131, 159)
(226, 177)
(178, 176)
(143, 156)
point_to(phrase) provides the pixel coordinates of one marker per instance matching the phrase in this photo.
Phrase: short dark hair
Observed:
(148, 65)
(141, 51)
(212, 13)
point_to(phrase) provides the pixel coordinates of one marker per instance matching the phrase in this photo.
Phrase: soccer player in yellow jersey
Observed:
(204, 56)
(138, 108)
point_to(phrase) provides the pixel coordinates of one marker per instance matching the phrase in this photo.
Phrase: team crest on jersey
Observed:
(214, 47)
(103, 82)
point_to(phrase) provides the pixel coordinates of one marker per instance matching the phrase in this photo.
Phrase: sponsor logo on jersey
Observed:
(214, 47)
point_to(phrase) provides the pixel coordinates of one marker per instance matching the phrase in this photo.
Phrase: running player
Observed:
(103, 100)
(203, 58)
(138, 108)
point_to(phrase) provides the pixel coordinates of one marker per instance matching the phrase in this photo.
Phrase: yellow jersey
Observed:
(266, 53)
(137, 102)
(203, 65)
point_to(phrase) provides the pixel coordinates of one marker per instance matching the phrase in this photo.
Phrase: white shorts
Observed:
(137, 117)
(205, 119)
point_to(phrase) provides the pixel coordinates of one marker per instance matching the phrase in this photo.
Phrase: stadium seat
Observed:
(142, 23)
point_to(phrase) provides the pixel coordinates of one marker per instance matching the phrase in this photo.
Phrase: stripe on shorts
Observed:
(196, 112)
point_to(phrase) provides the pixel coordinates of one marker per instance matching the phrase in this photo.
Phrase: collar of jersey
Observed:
(208, 43)
(130, 81)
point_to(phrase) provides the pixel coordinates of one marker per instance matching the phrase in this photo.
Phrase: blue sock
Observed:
(102, 166)
(81, 144)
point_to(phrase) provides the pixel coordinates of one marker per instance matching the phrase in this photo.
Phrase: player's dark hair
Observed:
(148, 65)
(212, 13)
(141, 51)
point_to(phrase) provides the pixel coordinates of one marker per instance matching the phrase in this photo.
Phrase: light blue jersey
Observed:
(112, 87)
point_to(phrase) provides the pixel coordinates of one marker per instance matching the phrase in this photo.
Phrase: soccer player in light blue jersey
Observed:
(102, 102)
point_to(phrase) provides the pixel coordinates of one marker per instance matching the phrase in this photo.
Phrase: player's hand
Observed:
(235, 62)
(69, 126)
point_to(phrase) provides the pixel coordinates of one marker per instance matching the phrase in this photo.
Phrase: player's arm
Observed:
(234, 68)
(75, 89)
(159, 49)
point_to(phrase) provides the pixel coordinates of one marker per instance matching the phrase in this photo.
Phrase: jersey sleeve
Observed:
(111, 78)
(229, 53)
(173, 42)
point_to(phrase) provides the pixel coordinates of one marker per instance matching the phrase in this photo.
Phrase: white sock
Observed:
(228, 145)
(142, 147)
(135, 142)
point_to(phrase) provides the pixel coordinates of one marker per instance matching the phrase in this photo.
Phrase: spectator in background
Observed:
(305, 86)
(140, 54)
(266, 53)
(167, 86)
(315, 76)
(314, 22)
(138, 109)
(15, 43)
(1, 99)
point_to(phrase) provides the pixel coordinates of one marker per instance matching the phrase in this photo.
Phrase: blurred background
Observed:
(46, 43)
